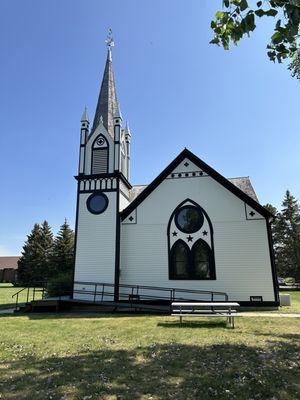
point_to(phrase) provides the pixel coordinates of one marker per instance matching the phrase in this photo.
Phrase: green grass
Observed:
(48, 356)
(6, 292)
(295, 307)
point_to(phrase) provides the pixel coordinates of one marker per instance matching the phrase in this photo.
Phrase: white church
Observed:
(190, 233)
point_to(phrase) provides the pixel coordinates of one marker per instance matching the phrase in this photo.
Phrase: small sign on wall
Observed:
(256, 299)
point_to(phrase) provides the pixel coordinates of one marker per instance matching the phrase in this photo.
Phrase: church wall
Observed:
(95, 246)
(123, 202)
(243, 266)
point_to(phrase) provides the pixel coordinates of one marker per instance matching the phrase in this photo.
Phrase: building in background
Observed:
(8, 269)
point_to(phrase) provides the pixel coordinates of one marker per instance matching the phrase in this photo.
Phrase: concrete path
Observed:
(7, 311)
(267, 315)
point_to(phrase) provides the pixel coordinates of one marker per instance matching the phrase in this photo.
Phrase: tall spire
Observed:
(107, 100)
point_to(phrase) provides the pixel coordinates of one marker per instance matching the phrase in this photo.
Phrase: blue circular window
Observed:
(97, 203)
(189, 219)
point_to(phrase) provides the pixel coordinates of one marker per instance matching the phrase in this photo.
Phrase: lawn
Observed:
(6, 292)
(295, 307)
(110, 357)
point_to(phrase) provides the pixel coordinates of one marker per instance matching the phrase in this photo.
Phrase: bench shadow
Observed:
(192, 324)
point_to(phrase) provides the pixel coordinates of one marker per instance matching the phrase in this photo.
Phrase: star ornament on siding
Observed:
(205, 233)
(174, 233)
(190, 238)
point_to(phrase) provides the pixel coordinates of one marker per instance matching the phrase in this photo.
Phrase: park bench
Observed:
(205, 309)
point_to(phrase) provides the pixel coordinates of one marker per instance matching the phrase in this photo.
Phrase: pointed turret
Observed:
(107, 101)
(118, 114)
(85, 117)
(127, 130)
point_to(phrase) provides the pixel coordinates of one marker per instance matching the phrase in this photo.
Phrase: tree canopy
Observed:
(238, 18)
(286, 237)
(44, 257)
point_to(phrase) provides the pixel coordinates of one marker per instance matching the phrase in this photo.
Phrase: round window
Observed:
(97, 203)
(189, 219)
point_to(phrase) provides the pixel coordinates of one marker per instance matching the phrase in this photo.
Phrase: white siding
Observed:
(123, 202)
(95, 247)
(243, 267)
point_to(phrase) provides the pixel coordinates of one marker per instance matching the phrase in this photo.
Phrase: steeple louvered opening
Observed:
(100, 155)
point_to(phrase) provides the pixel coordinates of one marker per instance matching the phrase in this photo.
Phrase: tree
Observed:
(46, 245)
(62, 255)
(289, 231)
(239, 19)
(286, 237)
(33, 266)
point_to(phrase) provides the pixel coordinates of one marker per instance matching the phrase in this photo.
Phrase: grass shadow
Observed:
(161, 371)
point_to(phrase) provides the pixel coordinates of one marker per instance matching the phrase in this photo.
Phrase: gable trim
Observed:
(205, 167)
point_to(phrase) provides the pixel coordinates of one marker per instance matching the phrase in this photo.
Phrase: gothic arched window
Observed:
(202, 260)
(100, 155)
(180, 260)
(191, 248)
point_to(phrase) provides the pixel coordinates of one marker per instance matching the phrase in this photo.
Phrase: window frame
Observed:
(188, 206)
(212, 265)
(104, 147)
(91, 196)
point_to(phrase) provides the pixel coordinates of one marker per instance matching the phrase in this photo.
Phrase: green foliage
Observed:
(42, 257)
(62, 254)
(34, 262)
(286, 237)
(238, 19)
(60, 284)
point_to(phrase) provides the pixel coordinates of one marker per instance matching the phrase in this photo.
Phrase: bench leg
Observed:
(180, 319)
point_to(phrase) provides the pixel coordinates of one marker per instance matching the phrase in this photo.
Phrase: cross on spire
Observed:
(107, 100)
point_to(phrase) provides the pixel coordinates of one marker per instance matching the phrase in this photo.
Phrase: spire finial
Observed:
(109, 40)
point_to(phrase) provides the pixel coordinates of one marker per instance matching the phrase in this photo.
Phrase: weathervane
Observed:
(109, 40)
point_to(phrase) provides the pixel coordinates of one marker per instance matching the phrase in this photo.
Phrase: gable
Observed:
(189, 165)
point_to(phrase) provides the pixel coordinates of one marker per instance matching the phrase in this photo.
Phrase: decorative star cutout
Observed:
(174, 233)
(252, 213)
(131, 218)
(190, 238)
(205, 233)
(186, 164)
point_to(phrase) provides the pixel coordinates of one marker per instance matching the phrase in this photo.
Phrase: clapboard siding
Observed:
(95, 255)
(243, 266)
(123, 202)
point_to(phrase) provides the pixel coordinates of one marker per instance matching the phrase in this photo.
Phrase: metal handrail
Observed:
(136, 291)
(34, 288)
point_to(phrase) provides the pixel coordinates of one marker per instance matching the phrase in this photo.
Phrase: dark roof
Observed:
(241, 187)
(242, 183)
(107, 100)
(9, 262)
(245, 185)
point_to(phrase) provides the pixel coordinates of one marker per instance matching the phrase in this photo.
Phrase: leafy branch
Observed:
(238, 19)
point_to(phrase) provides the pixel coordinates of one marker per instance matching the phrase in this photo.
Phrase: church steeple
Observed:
(107, 101)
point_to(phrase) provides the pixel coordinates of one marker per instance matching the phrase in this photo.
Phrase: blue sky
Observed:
(235, 110)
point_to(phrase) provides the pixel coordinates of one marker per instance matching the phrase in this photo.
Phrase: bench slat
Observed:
(206, 304)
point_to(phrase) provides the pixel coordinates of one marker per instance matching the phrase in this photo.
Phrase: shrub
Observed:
(60, 285)
(290, 281)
